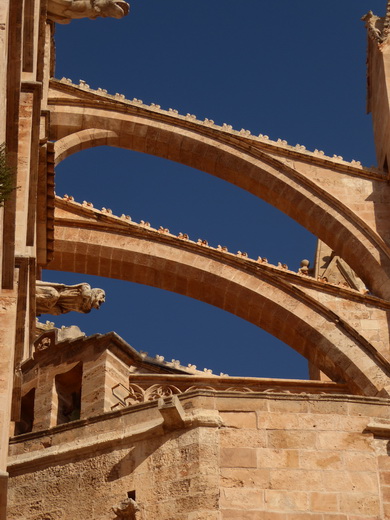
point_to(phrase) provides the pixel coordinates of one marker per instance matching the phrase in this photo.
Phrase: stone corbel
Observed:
(175, 417)
(379, 429)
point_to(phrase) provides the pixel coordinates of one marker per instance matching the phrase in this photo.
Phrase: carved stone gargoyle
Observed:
(127, 510)
(63, 11)
(58, 298)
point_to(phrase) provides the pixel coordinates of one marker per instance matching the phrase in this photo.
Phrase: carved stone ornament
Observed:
(57, 298)
(44, 344)
(126, 510)
(63, 11)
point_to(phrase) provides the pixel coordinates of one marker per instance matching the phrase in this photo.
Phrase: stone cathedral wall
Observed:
(275, 456)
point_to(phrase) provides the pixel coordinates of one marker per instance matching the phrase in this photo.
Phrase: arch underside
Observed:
(276, 307)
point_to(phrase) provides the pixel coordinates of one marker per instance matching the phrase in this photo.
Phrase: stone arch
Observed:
(94, 247)
(233, 160)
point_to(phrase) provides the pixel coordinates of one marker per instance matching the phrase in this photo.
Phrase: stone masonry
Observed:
(91, 428)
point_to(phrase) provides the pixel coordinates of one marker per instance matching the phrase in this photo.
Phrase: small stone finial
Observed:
(375, 26)
(83, 84)
(159, 359)
(304, 269)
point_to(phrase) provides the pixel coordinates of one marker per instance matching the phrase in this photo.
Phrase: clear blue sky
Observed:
(294, 70)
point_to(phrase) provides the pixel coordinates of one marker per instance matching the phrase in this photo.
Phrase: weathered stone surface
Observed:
(105, 431)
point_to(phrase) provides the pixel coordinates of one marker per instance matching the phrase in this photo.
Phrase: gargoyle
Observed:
(58, 298)
(63, 11)
(127, 510)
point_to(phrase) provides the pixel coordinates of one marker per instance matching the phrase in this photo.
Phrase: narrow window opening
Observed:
(68, 387)
(131, 494)
(25, 425)
(385, 165)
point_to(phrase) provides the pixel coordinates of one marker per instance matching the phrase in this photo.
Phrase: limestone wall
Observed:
(276, 457)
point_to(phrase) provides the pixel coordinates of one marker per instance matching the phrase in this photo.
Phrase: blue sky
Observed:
(291, 70)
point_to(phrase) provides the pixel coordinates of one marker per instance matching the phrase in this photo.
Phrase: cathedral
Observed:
(92, 428)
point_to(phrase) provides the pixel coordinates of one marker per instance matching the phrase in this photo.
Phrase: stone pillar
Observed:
(99, 377)
(7, 331)
(3, 494)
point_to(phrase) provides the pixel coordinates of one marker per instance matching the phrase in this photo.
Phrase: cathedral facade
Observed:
(92, 428)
